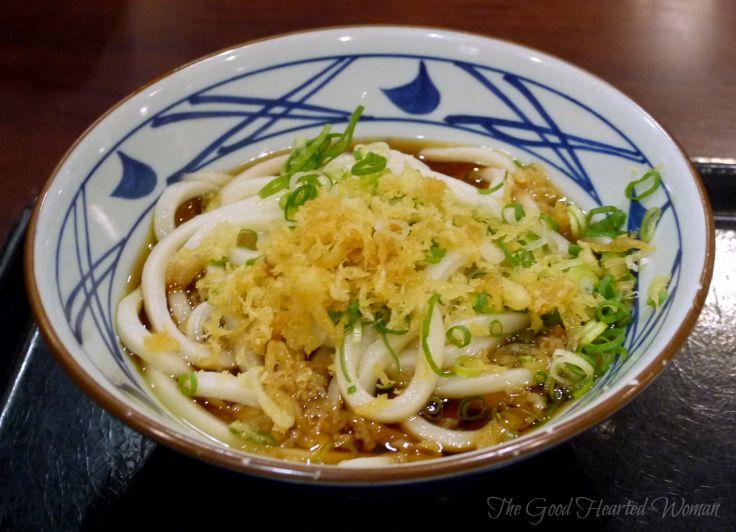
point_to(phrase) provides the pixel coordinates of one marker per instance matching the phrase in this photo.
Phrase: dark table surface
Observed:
(66, 464)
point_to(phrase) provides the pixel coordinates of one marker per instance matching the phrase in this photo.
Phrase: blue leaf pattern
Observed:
(138, 179)
(418, 97)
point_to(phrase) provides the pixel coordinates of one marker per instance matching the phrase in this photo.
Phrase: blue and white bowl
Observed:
(94, 216)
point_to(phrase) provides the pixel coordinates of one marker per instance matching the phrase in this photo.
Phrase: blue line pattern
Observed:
(520, 120)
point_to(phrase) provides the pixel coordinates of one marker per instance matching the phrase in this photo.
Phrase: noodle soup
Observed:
(382, 302)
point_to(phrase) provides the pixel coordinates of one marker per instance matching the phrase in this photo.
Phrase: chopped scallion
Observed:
(472, 409)
(459, 336)
(649, 223)
(652, 175)
(187, 384)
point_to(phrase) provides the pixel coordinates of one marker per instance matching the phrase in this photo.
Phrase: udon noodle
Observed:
(363, 305)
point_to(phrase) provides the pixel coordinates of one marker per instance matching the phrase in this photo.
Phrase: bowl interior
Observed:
(417, 83)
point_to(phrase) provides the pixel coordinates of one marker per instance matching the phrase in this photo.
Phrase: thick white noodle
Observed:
(530, 206)
(450, 440)
(216, 178)
(480, 324)
(412, 398)
(333, 393)
(449, 264)
(562, 244)
(561, 357)
(188, 410)
(164, 217)
(225, 386)
(367, 462)
(477, 346)
(490, 252)
(257, 214)
(241, 188)
(495, 176)
(491, 382)
(271, 166)
(133, 335)
(180, 307)
(282, 419)
(238, 255)
(471, 154)
(194, 327)
(377, 358)
(464, 191)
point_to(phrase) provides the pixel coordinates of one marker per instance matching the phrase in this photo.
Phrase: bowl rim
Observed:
(463, 463)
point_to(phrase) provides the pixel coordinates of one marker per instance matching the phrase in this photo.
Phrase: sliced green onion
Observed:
(609, 340)
(352, 388)
(609, 226)
(612, 311)
(346, 139)
(656, 179)
(482, 305)
(468, 366)
(391, 351)
(577, 220)
(513, 212)
(458, 341)
(312, 154)
(298, 198)
(590, 331)
(494, 188)
(275, 185)
(549, 221)
(425, 334)
(372, 163)
(219, 263)
(606, 287)
(248, 433)
(382, 317)
(657, 292)
(335, 316)
(584, 276)
(187, 384)
(434, 408)
(435, 253)
(574, 250)
(496, 328)
(539, 377)
(569, 368)
(353, 314)
(520, 257)
(583, 388)
(649, 223)
(247, 238)
(552, 318)
(472, 409)
(251, 262)
(314, 179)
(385, 388)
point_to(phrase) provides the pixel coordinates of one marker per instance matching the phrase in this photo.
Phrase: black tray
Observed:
(670, 454)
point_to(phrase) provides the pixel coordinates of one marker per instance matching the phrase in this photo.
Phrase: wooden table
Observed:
(62, 64)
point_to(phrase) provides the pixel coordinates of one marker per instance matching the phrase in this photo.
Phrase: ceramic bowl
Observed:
(94, 215)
